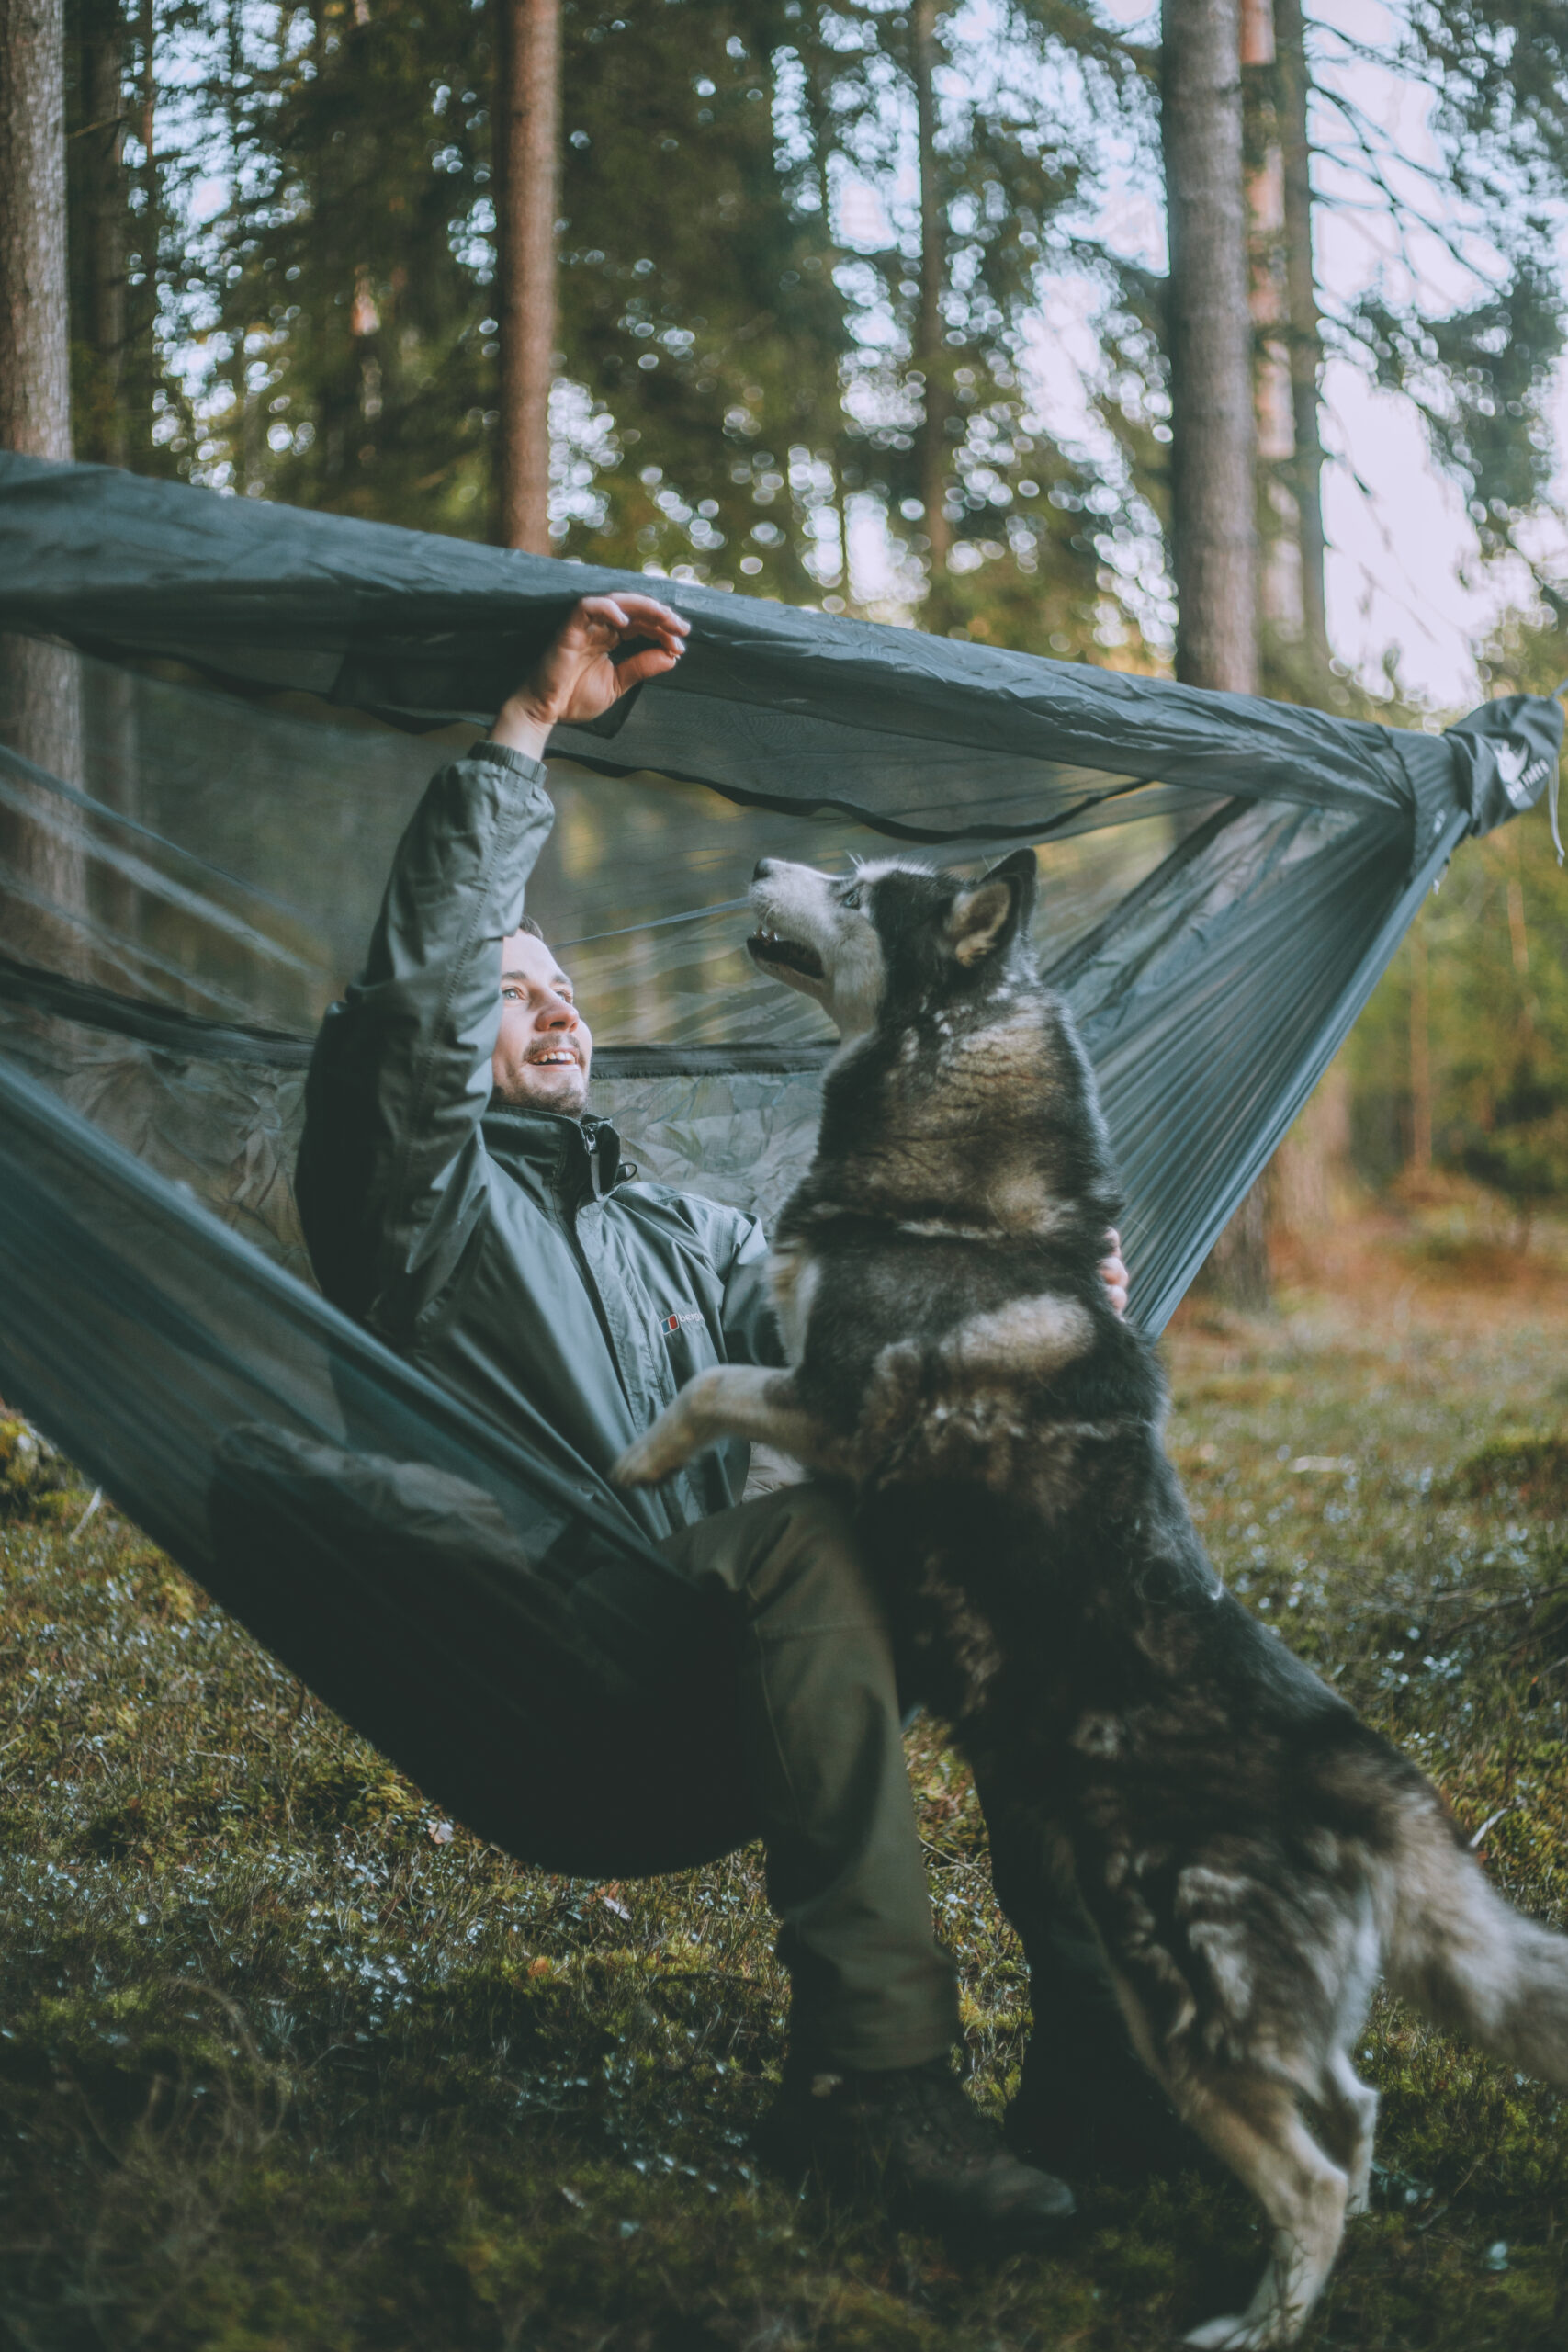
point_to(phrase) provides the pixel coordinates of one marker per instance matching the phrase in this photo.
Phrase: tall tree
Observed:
(528, 182)
(35, 362)
(1278, 571)
(1209, 335)
(40, 710)
(1213, 541)
(99, 46)
(981, 159)
(928, 347)
(1292, 86)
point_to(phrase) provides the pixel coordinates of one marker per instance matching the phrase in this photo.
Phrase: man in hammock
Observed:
(457, 1198)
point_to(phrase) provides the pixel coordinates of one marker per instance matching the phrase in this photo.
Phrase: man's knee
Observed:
(796, 1549)
(812, 1577)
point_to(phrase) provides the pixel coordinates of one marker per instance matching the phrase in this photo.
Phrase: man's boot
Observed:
(910, 2137)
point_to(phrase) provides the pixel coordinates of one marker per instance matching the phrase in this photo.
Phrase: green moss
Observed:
(36, 1483)
(1530, 1469)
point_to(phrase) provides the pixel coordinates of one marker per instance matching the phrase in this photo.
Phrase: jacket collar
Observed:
(579, 1159)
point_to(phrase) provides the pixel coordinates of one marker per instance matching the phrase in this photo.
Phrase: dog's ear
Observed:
(990, 913)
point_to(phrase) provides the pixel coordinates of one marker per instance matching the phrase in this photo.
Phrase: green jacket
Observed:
(511, 1254)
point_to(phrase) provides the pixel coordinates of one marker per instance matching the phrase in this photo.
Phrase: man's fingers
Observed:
(647, 609)
(642, 616)
(655, 662)
(1113, 1274)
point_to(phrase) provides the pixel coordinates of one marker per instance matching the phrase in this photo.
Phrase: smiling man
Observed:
(460, 1199)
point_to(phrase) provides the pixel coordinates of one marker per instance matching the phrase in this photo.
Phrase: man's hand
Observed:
(575, 677)
(1113, 1274)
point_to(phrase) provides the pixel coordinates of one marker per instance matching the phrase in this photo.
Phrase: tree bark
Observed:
(1213, 434)
(1213, 531)
(1312, 1164)
(1279, 566)
(35, 356)
(1237, 1267)
(100, 221)
(931, 349)
(1420, 1058)
(1292, 88)
(40, 706)
(527, 160)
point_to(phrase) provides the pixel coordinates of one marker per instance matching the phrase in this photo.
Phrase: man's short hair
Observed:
(531, 927)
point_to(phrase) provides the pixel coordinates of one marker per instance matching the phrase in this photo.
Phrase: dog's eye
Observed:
(853, 896)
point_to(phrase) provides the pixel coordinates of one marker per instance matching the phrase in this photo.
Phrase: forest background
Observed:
(801, 335)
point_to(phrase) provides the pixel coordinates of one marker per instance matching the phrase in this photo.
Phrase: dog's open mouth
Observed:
(767, 947)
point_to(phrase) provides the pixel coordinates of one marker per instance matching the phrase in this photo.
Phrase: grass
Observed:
(290, 2064)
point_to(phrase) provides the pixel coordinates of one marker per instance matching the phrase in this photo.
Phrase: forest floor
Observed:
(288, 2065)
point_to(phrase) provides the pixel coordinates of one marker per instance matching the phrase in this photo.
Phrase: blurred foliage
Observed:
(1482, 380)
(309, 247)
(740, 261)
(286, 2063)
(1494, 941)
(1481, 373)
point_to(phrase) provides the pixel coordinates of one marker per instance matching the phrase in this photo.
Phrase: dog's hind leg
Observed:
(1258, 2129)
(1349, 2120)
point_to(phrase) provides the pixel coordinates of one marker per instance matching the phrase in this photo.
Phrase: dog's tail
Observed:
(1456, 1949)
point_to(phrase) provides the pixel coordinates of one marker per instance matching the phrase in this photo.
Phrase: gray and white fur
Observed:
(1251, 1854)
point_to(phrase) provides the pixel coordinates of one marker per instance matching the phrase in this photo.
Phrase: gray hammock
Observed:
(215, 719)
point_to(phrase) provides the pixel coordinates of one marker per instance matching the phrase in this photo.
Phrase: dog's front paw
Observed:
(636, 1466)
(653, 1457)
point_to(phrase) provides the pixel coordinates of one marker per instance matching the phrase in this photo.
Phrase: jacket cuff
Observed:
(531, 770)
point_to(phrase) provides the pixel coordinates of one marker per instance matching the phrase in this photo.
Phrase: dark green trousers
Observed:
(771, 1710)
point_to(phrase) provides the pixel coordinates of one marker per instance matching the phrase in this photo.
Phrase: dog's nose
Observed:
(761, 870)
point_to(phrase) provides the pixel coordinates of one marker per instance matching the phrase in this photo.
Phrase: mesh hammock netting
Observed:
(215, 719)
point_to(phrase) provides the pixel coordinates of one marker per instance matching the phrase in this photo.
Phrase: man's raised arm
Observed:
(392, 1172)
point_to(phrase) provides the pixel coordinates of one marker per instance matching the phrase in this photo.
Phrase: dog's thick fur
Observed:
(1250, 1853)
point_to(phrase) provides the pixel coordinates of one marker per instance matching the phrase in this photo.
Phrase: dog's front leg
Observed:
(729, 1400)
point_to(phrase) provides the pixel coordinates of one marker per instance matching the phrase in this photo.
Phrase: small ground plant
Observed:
(290, 2063)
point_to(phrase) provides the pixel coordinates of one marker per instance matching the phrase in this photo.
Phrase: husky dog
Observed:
(1250, 1853)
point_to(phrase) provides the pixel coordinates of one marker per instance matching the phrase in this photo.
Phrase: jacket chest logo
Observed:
(688, 1318)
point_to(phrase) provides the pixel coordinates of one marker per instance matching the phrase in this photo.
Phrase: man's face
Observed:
(544, 1050)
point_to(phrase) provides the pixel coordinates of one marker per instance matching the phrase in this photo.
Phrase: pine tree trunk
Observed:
(1213, 532)
(1420, 1058)
(40, 706)
(35, 357)
(1279, 568)
(1213, 439)
(931, 349)
(1310, 1167)
(1292, 88)
(1237, 1269)
(527, 122)
(99, 232)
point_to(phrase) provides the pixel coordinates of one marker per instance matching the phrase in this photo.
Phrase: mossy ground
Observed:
(286, 2067)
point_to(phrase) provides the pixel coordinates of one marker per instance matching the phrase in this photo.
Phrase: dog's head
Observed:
(889, 935)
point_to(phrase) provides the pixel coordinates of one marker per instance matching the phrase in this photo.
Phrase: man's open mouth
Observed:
(558, 1057)
(767, 947)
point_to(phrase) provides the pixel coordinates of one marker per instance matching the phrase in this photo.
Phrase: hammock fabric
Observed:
(215, 719)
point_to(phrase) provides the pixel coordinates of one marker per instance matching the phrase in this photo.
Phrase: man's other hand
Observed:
(575, 677)
(1113, 1274)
